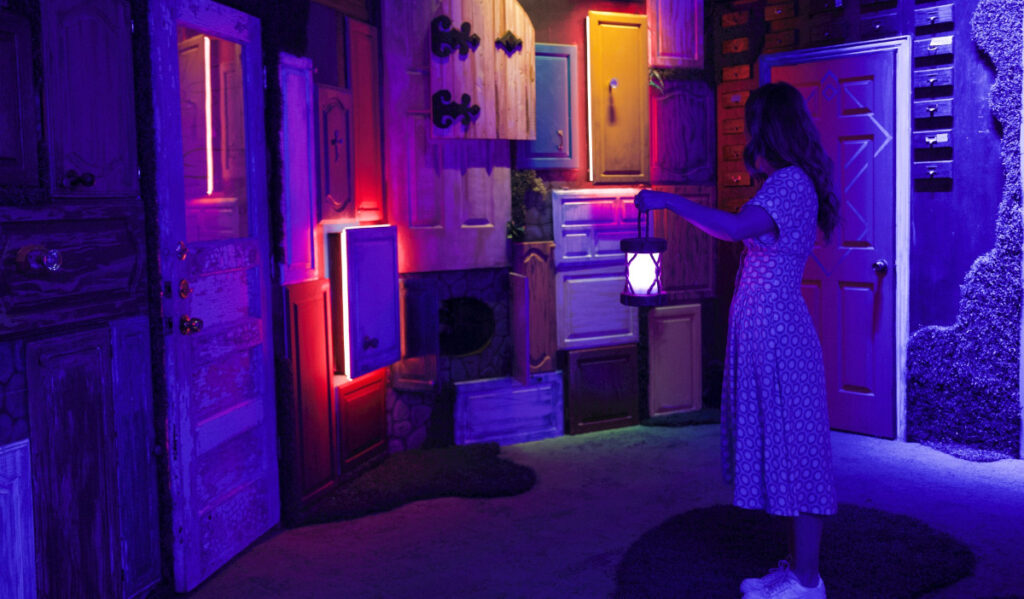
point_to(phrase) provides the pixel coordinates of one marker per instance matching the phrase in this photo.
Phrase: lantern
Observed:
(643, 266)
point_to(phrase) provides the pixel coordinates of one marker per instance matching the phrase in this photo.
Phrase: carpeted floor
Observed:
(866, 554)
(702, 416)
(462, 471)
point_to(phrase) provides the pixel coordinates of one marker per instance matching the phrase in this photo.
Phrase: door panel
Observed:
(213, 256)
(334, 131)
(852, 101)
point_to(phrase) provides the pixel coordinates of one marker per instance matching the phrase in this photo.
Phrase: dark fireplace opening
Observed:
(467, 326)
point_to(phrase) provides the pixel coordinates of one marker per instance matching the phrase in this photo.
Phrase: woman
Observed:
(775, 432)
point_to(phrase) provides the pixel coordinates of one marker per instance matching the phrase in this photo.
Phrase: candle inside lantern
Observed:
(643, 273)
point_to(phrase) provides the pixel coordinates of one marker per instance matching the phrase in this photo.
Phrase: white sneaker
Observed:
(787, 586)
(756, 584)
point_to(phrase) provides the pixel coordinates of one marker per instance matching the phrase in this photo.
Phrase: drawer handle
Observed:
(73, 179)
(930, 140)
(931, 19)
(932, 80)
(878, 26)
(931, 172)
(561, 140)
(36, 257)
(931, 110)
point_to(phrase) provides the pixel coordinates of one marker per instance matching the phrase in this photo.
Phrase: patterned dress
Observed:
(775, 433)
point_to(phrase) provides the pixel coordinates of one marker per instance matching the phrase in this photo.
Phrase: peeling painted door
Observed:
(849, 285)
(211, 187)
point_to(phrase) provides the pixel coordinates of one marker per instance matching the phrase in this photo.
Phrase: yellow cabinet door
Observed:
(619, 117)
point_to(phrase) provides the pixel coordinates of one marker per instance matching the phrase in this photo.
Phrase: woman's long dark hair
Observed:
(782, 133)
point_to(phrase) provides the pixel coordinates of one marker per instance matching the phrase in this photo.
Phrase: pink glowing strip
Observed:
(209, 116)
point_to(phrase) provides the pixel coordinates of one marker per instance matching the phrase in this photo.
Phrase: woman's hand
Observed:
(648, 199)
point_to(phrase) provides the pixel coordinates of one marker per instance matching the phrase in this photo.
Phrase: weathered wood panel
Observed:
(136, 468)
(535, 261)
(589, 311)
(367, 155)
(100, 273)
(683, 133)
(310, 441)
(620, 145)
(676, 33)
(362, 411)
(498, 81)
(18, 115)
(507, 411)
(17, 539)
(675, 359)
(90, 99)
(74, 465)
(603, 388)
(450, 201)
(298, 166)
(688, 264)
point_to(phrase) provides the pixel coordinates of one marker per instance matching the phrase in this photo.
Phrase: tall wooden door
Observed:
(215, 281)
(849, 284)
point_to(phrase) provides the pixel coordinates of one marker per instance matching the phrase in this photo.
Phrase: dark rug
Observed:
(703, 416)
(966, 452)
(460, 471)
(865, 554)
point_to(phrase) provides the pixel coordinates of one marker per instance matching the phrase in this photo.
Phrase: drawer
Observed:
(934, 108)
(779, 11)
(101, 269)
(732, 152)
(932, 170)
(877, 6)
(930, 146)
(730, 126)
(879, 26)
(933, 78)
(588, 312)
(733, 99)
(933, 19)
(735, 175)
(824, 6)
(736, 73)
(590, 223)
(781, 40)
(829, 33)
(736, 45)
(735, 18)
(933, 51)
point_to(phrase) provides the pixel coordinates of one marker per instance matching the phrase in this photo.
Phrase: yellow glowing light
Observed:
(643, 273)
(209, 116)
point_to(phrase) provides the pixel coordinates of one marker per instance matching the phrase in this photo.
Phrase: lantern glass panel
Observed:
(643, 273)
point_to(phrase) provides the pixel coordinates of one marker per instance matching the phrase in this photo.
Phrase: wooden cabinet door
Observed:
(367, 155)
(449, 199)
(688, 264)
(589, 311)
(603, 388)
(18, 147)
(497, 80)
(90, 97)
(17, 535)
(334, 155)
(676, 33)
(298, 170)
(535, 260)
(682, 133)
(675, 359)
(619, 100)
(558, 140)
(74, 463)
(309, 441)
(362, 410)
(369, 292)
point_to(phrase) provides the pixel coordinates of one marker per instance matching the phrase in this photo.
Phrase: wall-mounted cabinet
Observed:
(482, 79)
(363, 266)
(676, 33)
(18, 146)
(90, 100)
(619, 101)
(558, 143)
(675, 359)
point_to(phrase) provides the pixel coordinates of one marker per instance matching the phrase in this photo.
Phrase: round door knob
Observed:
(613, 83)
(880, 266)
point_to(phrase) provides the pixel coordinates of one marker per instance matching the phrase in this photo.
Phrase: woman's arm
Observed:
(751, 221)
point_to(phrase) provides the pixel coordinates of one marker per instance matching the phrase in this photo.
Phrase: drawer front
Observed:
(933, 170)
(590, 223)
(933, 78)
(588, 310)
(935, 108)
(932, 139)
(781, 40)
(828, 33)
(736, 46)
(779, 11)
(734, 99)
(100, 273)
(879, 26)
(735, 19)
(736, 73)
(735, 178)
(933, 51)
(824, 6)
(731, 126)
(934, 17)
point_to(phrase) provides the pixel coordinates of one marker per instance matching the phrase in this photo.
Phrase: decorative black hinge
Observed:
(444, 40)
(445, 112)
(509, 42)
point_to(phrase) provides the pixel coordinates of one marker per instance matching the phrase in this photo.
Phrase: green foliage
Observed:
(523, 182)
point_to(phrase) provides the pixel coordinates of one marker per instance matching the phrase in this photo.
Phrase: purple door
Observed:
(849, 285)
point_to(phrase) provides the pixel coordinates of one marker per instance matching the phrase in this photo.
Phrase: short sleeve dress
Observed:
(776, 449)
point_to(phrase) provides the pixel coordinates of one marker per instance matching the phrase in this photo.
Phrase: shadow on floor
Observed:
(866, 553)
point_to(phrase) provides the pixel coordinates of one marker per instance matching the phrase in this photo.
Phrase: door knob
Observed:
(880, 266)
(190, 326)
(37, 257)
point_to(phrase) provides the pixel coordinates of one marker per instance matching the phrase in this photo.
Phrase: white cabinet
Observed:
(675, 359)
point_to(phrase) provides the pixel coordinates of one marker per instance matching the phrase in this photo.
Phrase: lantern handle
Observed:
(639, 217)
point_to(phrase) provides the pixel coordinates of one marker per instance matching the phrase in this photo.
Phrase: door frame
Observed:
(901, 269)
(215, 19)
